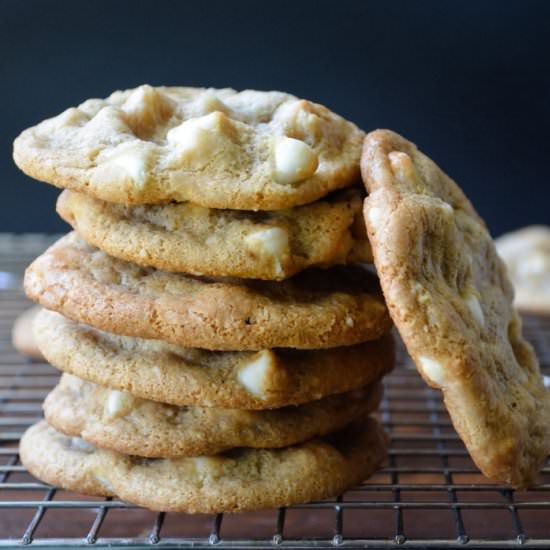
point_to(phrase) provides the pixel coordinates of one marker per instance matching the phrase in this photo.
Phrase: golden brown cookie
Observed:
(451, 300)
(526, 253)
(126, 424)
(22, 336)
(188, 238)
(244, 150)
(182, 376)
(236, 481)
(315, 309)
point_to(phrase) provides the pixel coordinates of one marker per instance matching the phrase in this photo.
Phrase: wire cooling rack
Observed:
(427, 494)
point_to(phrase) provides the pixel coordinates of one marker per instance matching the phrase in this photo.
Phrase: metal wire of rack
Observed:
(427, 494)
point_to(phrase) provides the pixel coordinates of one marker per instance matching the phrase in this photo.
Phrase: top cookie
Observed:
(526, 253)
(449, 296)
(244, 150)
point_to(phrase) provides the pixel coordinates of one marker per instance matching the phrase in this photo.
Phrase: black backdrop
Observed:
(468, 81)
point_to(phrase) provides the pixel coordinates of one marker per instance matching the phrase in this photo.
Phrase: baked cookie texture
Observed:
(244, 150)
(316, 309)
(526, 253)
(167, 373)
(123, 423)
(240, 480)
(22, 336)
(451, 300)
(188, 238)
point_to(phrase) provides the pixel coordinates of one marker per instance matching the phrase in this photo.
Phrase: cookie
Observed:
(182, 376)
(450, 298)
(315, 309)
(22, 334)
(236, 481)
(187, 238)
(526, 253)
(121, 422)
(244, 150)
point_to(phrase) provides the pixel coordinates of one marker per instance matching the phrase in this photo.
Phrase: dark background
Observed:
(468, 81)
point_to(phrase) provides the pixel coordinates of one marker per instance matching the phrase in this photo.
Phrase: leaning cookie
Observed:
(183, 376)
(244, 150)
(126, 424)
(526, 253)
(239, 480)
(315, 309)
(450, 298)
(22, 335)
(188, 238)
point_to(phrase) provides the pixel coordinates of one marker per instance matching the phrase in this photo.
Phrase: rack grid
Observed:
(427, 494)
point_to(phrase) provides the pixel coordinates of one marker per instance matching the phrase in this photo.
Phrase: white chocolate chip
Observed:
(140, 99)
(189, 136)
(146, 108)
(402, 166)
(212, 122)
(72, 382)
(472, 301)
(157, 372)
(253, 376)
(300, 121)
(271, 243)
(133, 165)
(349, 322)
(127, 161)
(108, 121)
(105, 483)
(210, 467)
(78, 444)
(471, 296)
(118, 404)
(198, 139)
(201, 463)
(433, 370)
(375, 216)
(294, 161)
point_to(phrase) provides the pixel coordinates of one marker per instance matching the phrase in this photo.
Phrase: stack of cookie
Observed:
(219, 351)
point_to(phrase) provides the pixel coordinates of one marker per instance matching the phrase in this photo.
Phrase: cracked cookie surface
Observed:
(244, 150)
(450, 298)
